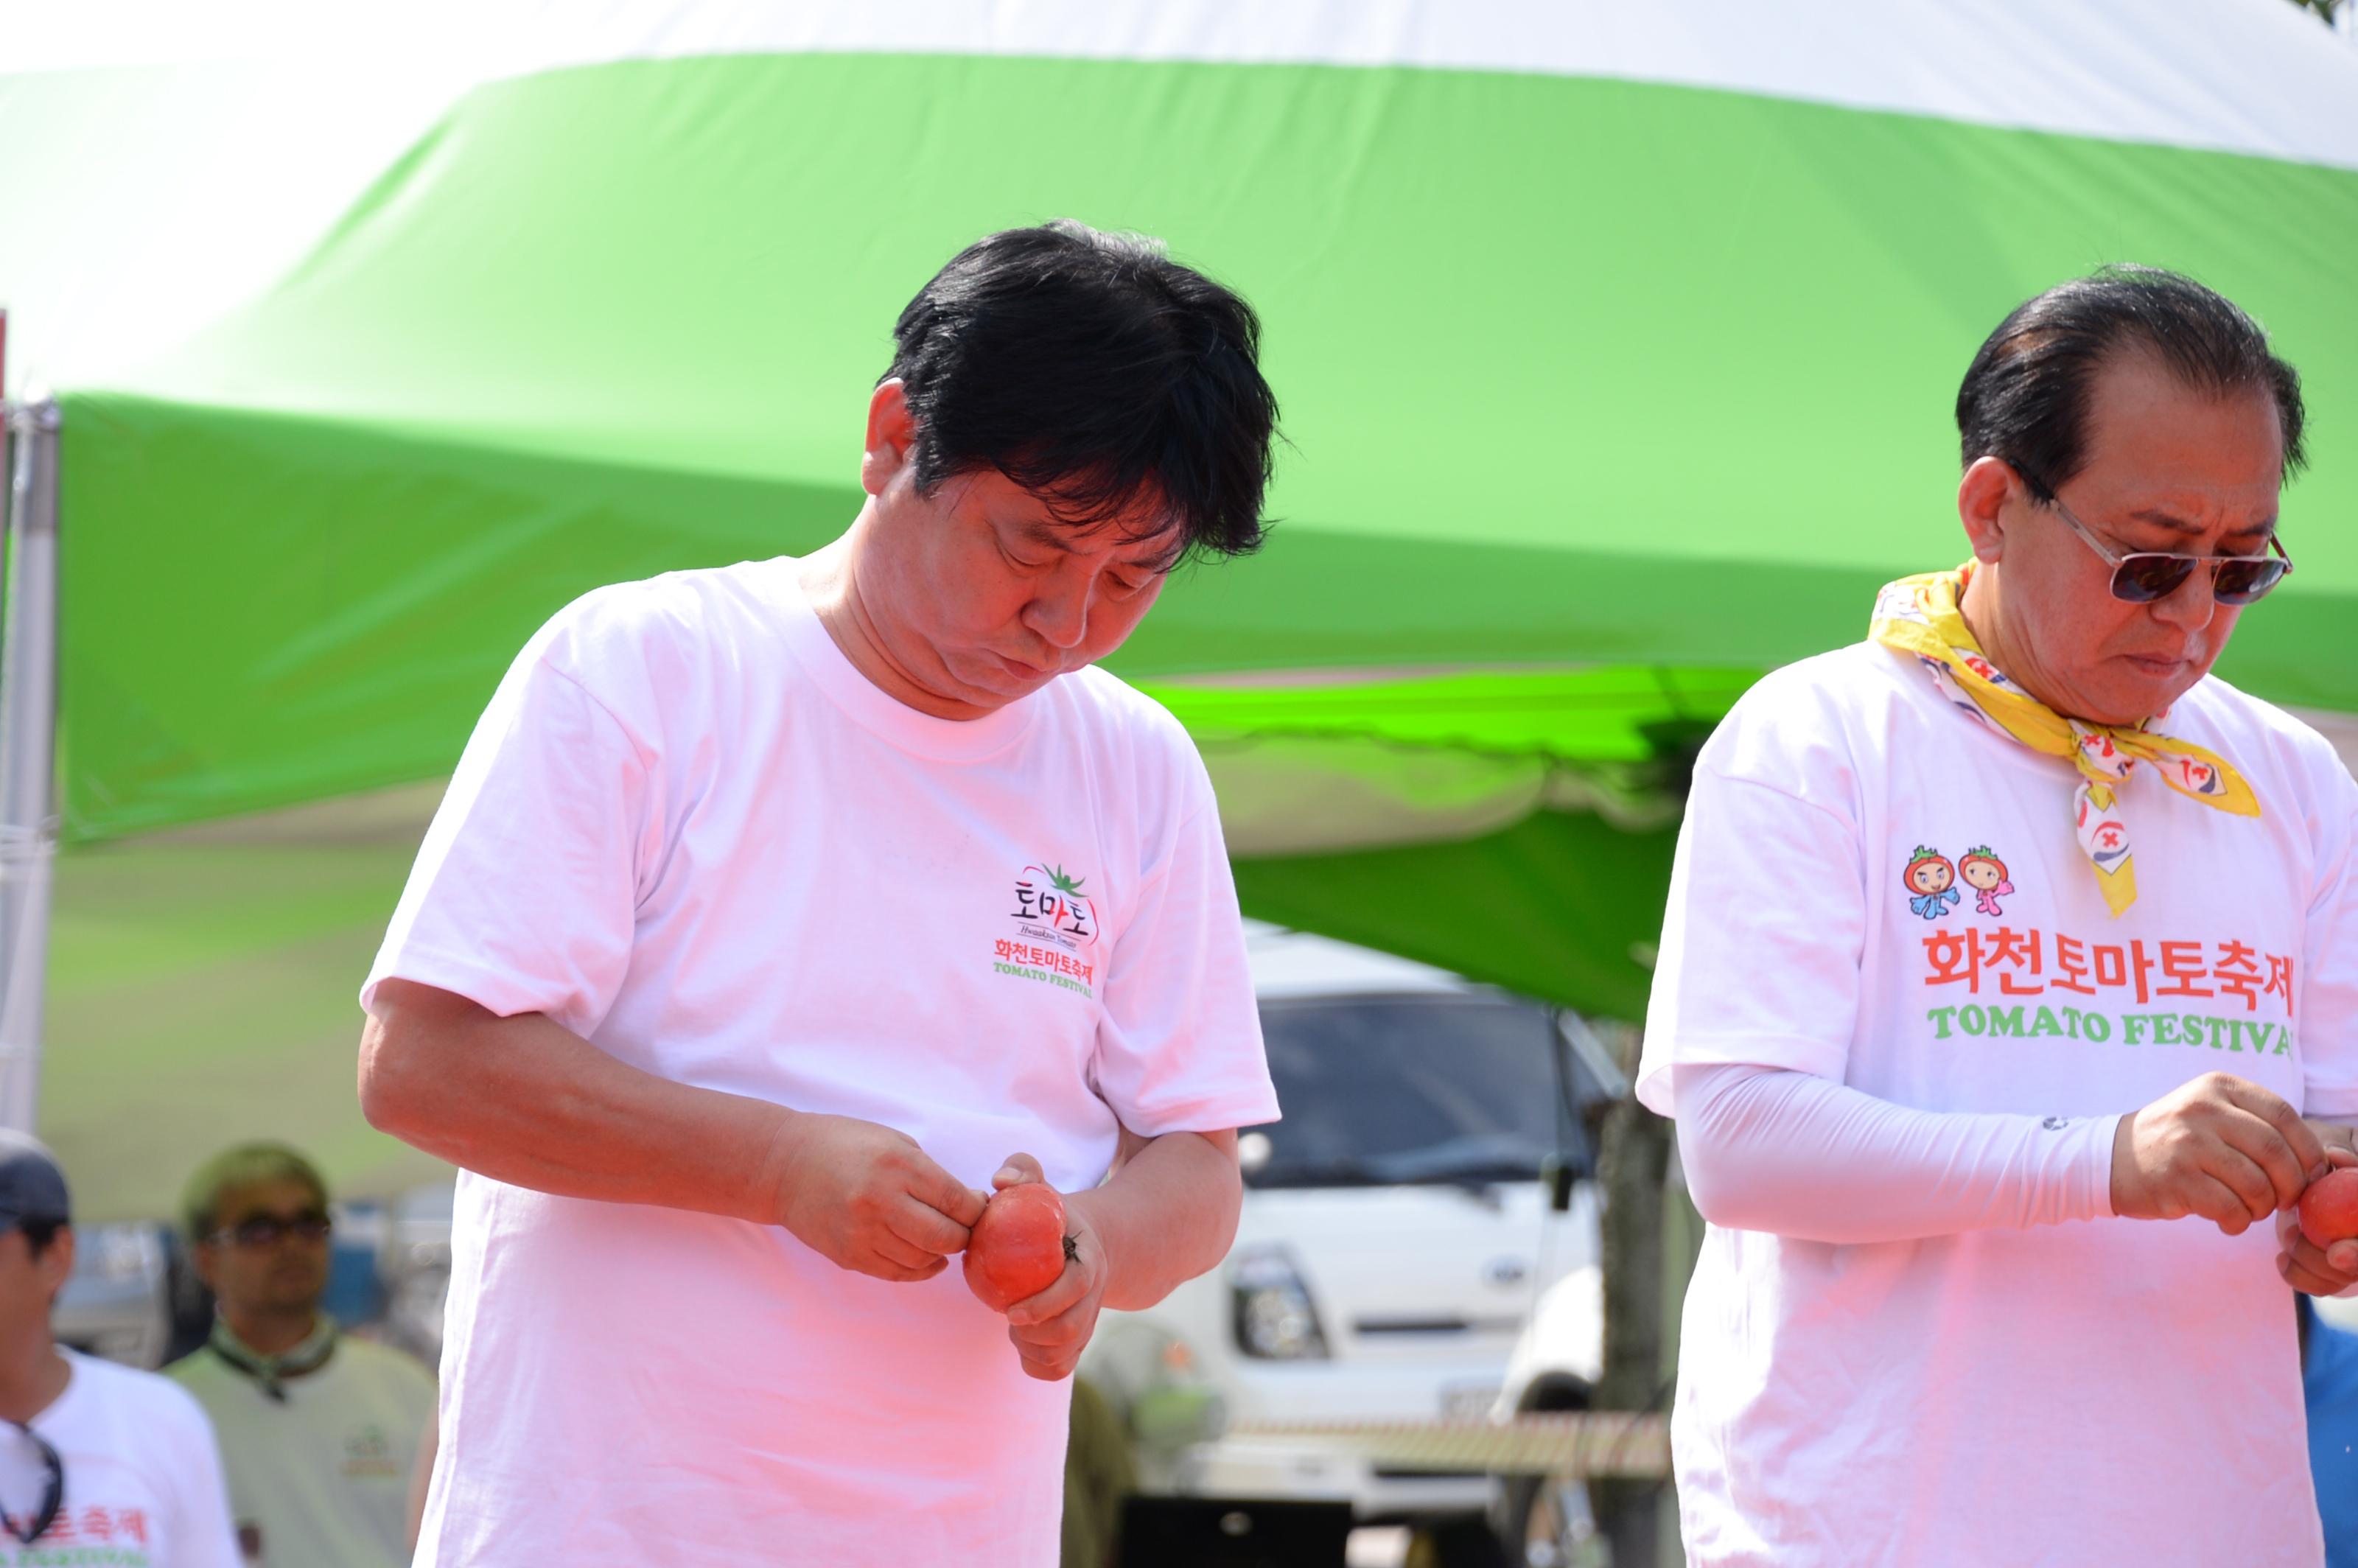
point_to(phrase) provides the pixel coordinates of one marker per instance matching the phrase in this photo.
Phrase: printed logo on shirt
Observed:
(1056, 926)
(2198, 982)
(91, 1534)
(1051, 907)
(1984, 873)
(369, 1452)
(1931, 879)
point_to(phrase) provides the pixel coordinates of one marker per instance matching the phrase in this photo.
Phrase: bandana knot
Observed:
(1918, 615)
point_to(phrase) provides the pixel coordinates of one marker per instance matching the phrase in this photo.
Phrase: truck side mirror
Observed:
(1558, 1174)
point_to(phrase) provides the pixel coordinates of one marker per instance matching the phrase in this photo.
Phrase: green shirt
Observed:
(320, 1480)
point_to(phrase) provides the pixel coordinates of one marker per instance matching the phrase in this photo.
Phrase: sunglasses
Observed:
(269, 1229)
(2144, 576)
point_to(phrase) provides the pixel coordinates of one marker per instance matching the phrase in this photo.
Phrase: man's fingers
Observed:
(2307, 1149)
(2208, 1197)
(2257, 1177)
(1019, 1169)
(2307, 1280)
(878, 1267)
(946, 1196)
(899, 1253)
(1064, 1293)
(1046, 1360)
(1048, 1369)
(2316, 1269)
(925, 1228)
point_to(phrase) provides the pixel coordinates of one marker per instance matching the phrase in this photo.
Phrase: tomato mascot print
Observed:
(1931, 879)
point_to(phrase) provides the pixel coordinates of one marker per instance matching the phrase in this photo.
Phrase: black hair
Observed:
(1093, 371)
(2025, 397)
(39, 1234)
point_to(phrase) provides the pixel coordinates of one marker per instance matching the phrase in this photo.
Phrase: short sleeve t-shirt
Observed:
(143, 1478)
(688, 830)
(321, 1478)
(2108, 1391)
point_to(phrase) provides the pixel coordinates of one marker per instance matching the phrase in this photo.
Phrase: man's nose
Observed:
(1059, 610)
(2191, 604)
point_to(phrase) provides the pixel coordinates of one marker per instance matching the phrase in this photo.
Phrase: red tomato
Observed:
(1019, 1245)
(2329, 1208)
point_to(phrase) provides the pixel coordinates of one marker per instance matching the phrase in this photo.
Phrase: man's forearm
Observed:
(525, 1101)
(1770, 1150)
(1167, 1214)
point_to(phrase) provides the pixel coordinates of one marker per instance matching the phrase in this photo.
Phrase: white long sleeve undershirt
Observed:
(1768, 1149)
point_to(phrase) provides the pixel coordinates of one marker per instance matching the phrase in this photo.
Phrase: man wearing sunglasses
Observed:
(99, 1463)
(319, 1431)
(1999, 1188)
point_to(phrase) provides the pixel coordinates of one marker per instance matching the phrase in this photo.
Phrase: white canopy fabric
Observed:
(160, 163)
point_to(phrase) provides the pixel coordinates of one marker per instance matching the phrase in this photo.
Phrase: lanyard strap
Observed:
(268, 1370)
(53, 1496)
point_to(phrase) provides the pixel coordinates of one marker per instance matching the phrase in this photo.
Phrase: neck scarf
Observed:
(269, 1371)
(1919, 615)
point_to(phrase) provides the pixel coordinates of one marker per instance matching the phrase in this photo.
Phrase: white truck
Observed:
(1396, 1236)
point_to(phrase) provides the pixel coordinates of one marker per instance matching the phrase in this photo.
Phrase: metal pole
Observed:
(28, 706)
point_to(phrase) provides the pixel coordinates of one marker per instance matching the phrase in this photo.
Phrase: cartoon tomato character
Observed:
(1930, 878)
(1985, 874)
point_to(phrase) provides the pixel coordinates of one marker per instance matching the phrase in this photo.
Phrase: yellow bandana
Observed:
(1919, 615)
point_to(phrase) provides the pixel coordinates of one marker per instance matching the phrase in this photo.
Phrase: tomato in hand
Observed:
(2329, 1208)
(1019, 1245)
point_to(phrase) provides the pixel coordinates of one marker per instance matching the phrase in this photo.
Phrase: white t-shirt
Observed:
(2106, 1390)
(143, 1479)
(689, 829)
(323, 1479)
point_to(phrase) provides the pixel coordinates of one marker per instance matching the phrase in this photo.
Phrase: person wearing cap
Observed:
(319, 1431)
(2000, 1190)
(99, 1463)
(778, 912)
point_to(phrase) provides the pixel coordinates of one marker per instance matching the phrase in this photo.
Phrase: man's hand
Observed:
(1050, 1330)
(867, 1197)
(2221, 1147)
(2307, 1267)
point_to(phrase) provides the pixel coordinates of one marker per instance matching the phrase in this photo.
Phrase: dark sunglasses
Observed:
(2144, 576)
(269, 1229)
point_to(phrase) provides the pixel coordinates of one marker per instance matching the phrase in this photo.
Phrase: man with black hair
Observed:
(778, 912)
(318, 1431)
(99, 1463)
(1934, 1321)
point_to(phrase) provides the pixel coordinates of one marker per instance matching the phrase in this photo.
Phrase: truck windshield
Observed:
(1382, 1089)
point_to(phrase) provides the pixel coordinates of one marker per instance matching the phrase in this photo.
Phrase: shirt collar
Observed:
(269, 1372)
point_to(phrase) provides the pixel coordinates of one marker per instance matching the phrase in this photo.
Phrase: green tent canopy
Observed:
(1615, 345)
(1577, 371)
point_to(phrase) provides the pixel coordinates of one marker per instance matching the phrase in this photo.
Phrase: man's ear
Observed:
(206, 1256)
(1983, 497)
(892, 437)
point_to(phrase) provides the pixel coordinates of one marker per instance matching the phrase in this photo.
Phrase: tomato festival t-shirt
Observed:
(688, 830)
(143, 1478)
(1875, 887)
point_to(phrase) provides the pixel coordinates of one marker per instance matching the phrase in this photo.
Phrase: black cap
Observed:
(31, 1185)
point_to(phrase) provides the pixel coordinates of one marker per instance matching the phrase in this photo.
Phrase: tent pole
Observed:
(29, 704)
